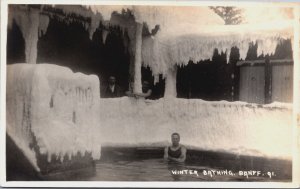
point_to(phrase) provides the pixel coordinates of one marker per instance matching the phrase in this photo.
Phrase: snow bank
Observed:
(53, 107)
(234, 127)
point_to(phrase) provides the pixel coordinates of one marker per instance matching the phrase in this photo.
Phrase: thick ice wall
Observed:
(54, 106)
(235, 127)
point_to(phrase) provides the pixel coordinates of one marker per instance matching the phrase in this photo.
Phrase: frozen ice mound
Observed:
(233, 127)
(53, 108)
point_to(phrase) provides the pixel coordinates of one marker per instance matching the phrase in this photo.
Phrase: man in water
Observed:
(112, 90)
(176, 152)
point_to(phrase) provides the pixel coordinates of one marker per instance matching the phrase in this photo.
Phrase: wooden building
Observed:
(266, 81)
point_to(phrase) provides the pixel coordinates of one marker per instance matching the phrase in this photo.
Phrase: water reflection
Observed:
(176, 170)
(153, 170)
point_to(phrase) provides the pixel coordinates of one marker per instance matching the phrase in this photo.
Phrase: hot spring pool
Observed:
(158, 170)
(146, 164)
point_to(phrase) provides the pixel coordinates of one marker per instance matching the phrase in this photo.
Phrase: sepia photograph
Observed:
(159, 92)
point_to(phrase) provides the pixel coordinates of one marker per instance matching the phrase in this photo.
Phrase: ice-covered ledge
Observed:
(233, 127)
(61, 112)
(52, 109)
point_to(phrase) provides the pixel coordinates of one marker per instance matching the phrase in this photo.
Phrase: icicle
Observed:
(43, 24)
(28, 21)
(32, 25)
(95, 21)
(104, 35)
(156, 79)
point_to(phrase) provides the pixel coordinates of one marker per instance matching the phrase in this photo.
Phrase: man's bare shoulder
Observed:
(183, 147)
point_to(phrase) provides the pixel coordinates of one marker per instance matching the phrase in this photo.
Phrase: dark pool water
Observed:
(147, 164)
(158, 170)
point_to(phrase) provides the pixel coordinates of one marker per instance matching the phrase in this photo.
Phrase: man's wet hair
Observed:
(175, 134)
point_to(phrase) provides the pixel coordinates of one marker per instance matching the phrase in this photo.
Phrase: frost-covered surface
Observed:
(64, 113)
(166, 49)
(137, 86)
(192, 33)
(234, 127)
(85, 12)
(55, 106)
(186, 33)
(28, 22)
(32, 25)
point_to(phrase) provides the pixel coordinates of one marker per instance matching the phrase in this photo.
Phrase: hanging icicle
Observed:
(95, 21)
(43, 24)
(28, 22)
(156, 79)
(104, 35)
(162, 52)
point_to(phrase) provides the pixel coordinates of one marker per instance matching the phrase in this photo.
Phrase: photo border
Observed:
(184, 184)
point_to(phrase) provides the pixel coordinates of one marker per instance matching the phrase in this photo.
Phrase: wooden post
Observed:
(28, 21)
(268, 81)
(170, 88)
(137, 88)
(32, 25)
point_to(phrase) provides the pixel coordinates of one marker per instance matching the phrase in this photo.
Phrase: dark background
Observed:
(69, 45)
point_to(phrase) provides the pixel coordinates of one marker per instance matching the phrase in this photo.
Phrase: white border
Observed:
(3, 93)
(3, 182)
(296, 97)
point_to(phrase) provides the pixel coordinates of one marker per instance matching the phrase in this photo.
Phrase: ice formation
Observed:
(43, 24)
(233, 127)
(166, 49)
(185, 35)
(64, 113)
(137, 87)
(95, 21)
(55, 106)
(28, 21)
(32, 25)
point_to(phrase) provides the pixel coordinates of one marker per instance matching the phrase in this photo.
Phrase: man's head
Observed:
(175, 137)
(112, 80)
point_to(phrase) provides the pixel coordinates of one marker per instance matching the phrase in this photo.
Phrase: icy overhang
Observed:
(192, 33)
(163, 51)
(185, 33)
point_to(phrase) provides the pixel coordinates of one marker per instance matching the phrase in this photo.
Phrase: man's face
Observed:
(175, 140)
(112, 80)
